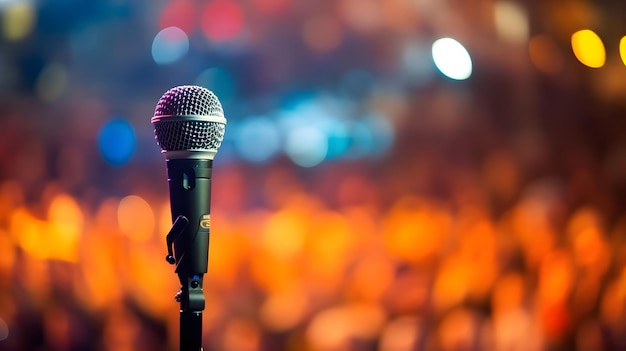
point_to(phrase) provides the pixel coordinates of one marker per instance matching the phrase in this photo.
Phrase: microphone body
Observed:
(190, 196)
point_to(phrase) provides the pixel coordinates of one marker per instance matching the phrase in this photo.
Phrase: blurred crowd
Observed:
(495, 221)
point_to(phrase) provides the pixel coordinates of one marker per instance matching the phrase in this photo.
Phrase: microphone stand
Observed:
(190, 296)
(191, 301)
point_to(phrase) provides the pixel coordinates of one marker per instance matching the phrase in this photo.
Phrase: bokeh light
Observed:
(339, 140)
(222, 20)
(622, 49)
(182, 14)
(545, 54)
(116, 141)
(452, 59)
(169, 45)
(136, 218)
(257, 139)
(362, 15)
(65, 226)
(589, 48)
(306, 145)
(57, 237)
(18, 19)
(52, 82)
(511, 22)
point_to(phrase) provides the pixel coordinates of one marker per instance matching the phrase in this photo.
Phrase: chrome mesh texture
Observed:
(186, 106)
(189, 100)
(189, 135)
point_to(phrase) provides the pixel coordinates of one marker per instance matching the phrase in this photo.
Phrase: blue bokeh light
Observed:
(116, 141)
(257, 139)
(169, 45)
(339, 140)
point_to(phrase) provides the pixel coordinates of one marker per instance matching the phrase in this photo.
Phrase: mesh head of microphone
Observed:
(189, 120)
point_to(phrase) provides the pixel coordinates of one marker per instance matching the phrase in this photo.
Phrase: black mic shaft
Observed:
(190, 193)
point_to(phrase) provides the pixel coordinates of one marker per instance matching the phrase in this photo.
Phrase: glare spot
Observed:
(511, 22)
(169, 45)
(452, 59)
(257, 139)
(51, 82)
(18, 20)
(116, 141)
(306, 146)
(588, 48)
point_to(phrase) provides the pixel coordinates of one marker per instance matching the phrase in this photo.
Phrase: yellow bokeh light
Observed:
(622, 49)
(284, 234)
(18, 20)
(589, 48)
(65, 228)
(57, 238)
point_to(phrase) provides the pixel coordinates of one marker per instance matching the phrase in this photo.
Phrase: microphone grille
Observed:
(189, 120)
(189, 100)
(189, 135)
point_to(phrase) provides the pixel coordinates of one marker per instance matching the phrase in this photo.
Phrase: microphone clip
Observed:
(178, 227)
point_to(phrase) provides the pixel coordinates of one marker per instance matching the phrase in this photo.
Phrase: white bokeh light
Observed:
(306, 146)
(452, 59)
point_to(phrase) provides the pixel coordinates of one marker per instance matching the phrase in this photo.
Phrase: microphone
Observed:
(189, 126)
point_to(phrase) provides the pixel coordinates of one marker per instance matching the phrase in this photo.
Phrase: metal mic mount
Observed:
(190, 296)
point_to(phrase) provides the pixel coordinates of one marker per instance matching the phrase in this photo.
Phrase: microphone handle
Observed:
(190, 196)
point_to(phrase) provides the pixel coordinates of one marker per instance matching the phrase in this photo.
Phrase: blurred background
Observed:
(396, 175)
